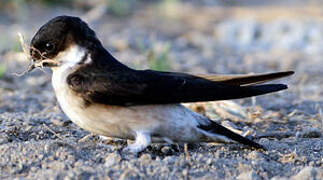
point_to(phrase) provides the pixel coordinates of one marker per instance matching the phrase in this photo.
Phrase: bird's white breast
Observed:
(99, 119)
(69, 102)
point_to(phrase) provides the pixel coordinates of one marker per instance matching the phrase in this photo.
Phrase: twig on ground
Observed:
(275, 134)
(187, 154)
(53, 132)
(85, 138)
(320, 114)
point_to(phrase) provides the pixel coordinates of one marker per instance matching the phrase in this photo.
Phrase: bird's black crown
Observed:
(60, 33)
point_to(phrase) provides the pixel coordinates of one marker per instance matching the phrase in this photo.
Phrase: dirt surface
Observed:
(37, 141)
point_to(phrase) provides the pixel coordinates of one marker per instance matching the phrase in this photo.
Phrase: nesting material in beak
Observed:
(25, 49)
(33, 63)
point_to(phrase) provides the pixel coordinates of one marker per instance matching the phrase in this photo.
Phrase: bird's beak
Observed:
(45, 63)
(31, 66)
(41, 64)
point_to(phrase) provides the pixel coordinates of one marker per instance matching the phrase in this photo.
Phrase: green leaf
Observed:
(2, 70)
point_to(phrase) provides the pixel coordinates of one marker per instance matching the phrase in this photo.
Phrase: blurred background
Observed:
(207, 36)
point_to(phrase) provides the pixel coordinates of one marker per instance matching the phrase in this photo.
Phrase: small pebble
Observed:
(112, 159)
(167, 150)
(308, 173)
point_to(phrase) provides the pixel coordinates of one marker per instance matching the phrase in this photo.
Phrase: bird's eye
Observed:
(49, 47)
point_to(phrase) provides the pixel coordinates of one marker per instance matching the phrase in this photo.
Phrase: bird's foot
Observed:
(132, 149)
(141, 142)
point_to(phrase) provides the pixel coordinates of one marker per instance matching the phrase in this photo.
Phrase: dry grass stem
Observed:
(50, 130)
(23, 45)
(86, 138)
(187, 154)
(321, 117)
(26, 49)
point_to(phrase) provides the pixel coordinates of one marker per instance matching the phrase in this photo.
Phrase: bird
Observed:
(106, 97)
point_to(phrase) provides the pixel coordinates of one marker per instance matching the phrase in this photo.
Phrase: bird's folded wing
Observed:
(133, 87)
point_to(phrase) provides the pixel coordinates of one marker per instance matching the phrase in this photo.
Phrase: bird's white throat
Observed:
(72, 56)
(68, 60)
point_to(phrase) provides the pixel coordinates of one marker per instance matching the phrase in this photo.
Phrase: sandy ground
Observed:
(37, 141)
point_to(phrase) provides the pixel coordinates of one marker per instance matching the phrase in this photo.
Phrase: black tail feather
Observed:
(215, 128)
(249, 91)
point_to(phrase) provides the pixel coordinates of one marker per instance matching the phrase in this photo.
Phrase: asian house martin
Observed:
(104, 96)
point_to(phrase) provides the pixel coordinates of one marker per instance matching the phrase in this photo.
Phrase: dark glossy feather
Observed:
(215, 128)
(117, 84)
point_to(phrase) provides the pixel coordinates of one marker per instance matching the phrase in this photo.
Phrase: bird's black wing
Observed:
(126, 87)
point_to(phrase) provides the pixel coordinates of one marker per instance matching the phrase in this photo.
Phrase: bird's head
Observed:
(62, 40)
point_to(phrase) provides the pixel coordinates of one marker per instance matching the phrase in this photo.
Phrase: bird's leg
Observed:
(143, 139)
